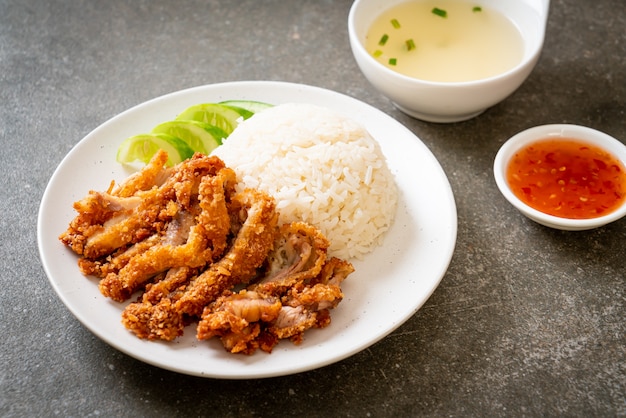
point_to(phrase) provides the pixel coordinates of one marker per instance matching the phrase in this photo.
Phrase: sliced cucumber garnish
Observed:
(143, 147)
(200, 136)
(214, 114)
(249, 105)
(199, 128)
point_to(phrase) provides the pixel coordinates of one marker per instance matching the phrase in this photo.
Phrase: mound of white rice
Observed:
(322, 168)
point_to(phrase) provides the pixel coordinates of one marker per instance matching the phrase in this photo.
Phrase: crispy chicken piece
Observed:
(188, 241)
(152, 174)
(249, 250)
(334, 272)
(239, 265)
(293, 321)
(143, 318)
(299, 254)
(98, 208)
(96, 211)
(298, 276)
(235, 317)
(158, 206)
(112, 263)
(307, 304)
(107, 222)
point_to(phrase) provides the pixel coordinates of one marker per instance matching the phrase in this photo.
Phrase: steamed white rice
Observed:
(322, 168)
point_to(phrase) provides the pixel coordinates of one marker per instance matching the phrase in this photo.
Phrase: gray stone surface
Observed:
(527, 321)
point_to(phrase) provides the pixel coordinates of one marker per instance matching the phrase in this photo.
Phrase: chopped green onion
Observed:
(477, 9)
(395, 23)
(440, 12)
(383, 39)
(377, 53)
(393, 61)
(410, 44)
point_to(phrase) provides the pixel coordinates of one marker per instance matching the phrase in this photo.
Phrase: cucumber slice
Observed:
(200, 136)
(214, 114)
(250, 105)
(246, 114)
(143, 147)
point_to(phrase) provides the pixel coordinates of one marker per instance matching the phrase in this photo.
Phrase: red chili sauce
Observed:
(568, 178)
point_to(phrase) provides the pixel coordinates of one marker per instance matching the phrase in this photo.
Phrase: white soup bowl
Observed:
(446, 102)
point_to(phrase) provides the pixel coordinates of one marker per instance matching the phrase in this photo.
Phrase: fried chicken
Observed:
(173, 218)
(146, 317)
(252, 244)
(186, 238)
(299, 288)
(254, 240)
(108, 221)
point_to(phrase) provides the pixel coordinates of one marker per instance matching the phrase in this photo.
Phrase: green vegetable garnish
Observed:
(199, 128)
(201, 137)
(393, 61)
(377, 53)
(395, 23)
(477, 9)
(383, 39)
(224, 117)
(143, 147)
(440, 12)
(251, 106)
(410, 44)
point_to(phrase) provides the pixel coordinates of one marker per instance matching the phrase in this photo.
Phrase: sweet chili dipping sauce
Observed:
(567, 178)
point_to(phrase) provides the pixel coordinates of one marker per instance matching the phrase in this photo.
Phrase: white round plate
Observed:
(387, 288)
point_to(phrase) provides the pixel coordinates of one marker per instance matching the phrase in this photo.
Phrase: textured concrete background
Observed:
(527, 321)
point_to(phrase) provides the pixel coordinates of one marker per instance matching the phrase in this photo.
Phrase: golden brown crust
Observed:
(185, 237)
